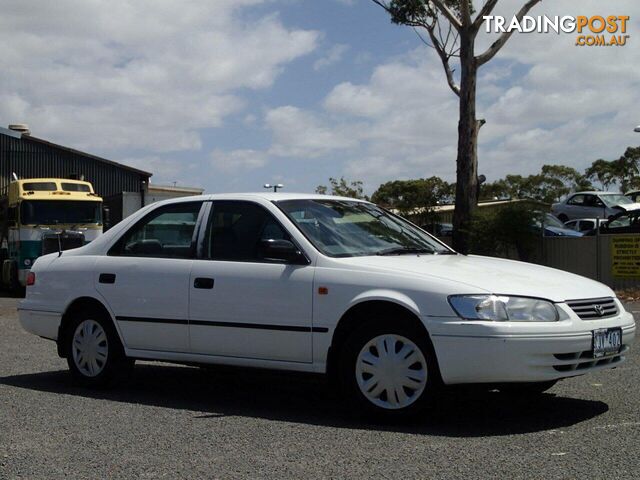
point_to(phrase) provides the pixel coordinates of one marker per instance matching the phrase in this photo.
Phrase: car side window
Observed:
(237, 229)
(167, 232)
(576, 200)
(587, 225)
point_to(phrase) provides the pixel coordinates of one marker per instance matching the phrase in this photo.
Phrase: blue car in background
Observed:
(555, 228)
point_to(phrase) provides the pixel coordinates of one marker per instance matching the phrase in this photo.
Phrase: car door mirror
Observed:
(282, 251)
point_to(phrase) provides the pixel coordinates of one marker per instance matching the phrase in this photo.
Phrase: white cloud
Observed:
(333, 56)
(297, 133)
(238, 160)
(144, 74)
(545, 101)
(164, 169)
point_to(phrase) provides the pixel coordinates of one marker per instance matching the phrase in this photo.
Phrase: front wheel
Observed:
(94, 353)
(389, 370)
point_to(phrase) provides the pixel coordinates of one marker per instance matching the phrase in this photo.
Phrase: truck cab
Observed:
(44, 215)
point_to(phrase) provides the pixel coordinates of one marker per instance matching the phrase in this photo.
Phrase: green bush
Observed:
(506, 232)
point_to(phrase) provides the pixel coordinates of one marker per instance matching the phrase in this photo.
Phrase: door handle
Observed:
(107, 278)
(204, 283)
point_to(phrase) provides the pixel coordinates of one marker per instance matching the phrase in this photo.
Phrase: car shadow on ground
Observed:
(218, 392)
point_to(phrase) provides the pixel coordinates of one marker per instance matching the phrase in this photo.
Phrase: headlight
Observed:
(503, 309)
(27, 261)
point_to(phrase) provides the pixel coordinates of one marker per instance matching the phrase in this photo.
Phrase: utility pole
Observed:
(274, 186)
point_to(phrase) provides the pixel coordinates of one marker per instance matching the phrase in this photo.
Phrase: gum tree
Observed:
(450, 27)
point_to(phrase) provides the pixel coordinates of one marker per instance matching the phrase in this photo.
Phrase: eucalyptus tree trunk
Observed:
(467, 160)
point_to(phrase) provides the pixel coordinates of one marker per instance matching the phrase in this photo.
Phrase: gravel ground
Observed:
(174, 422)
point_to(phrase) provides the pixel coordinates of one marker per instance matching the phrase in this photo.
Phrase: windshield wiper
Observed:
(403, 250)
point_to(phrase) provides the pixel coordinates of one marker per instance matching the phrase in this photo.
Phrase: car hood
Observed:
(563, 232)
(629, 206)
(488, 274)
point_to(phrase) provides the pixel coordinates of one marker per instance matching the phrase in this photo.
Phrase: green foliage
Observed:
(505, 231)
(343, 188)
(625, 171)
(412, 12)
(552, 183)
(408, 195)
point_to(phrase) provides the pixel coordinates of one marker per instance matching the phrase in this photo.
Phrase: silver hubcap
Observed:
(391, 371)
(90, 348)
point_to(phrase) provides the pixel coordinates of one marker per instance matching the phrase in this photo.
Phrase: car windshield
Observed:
(342, 228)
(551, 221)
(43, 212)
(615, 199)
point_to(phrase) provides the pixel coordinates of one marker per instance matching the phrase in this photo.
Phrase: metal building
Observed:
(31, 157)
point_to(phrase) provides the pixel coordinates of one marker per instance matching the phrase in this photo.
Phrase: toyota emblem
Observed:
(599, 310)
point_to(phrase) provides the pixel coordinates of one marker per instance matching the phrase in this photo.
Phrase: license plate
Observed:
(606, 341)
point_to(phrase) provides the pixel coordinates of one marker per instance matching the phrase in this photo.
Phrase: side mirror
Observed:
(282, 251)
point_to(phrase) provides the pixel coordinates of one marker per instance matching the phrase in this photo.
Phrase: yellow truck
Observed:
(44, 215)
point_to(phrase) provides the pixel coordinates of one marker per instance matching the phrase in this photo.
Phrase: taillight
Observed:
(31, 279)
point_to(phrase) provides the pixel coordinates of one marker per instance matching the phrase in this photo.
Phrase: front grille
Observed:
(594, 308)
(67, 242)
(579, 361)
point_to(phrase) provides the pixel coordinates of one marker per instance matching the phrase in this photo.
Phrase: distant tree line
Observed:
(549, 185)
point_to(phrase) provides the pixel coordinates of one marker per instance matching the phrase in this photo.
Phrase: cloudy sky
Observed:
(230, 94)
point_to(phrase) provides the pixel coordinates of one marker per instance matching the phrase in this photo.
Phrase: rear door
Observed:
(576, 207)
(145, 278)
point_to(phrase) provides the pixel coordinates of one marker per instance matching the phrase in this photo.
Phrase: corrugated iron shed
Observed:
(32, 157)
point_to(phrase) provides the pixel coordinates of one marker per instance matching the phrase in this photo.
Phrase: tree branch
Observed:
(444, 57)
(499, 43)
(447, 12)
(487, 8)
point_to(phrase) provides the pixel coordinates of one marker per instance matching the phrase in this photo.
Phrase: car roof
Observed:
(597, 192)
(269, 196)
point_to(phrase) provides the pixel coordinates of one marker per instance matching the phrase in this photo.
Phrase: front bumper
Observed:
(498, 352)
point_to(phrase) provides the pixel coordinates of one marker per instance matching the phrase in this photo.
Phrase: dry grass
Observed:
(629, 294)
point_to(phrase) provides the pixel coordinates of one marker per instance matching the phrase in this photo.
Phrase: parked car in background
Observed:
(555, 228)
(319, 284)
(592, 205)
(623, 222)
(633, 195)
(582, 224)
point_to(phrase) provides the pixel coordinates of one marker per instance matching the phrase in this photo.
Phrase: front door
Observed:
(145, 278)
(242, 305)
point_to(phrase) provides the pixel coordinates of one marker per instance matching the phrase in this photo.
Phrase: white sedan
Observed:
(318, 284)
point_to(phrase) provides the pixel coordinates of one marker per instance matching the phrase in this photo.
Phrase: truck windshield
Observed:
(43, 212)
(341, 228)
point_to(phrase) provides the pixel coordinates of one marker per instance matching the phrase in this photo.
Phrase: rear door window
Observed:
(167, 232)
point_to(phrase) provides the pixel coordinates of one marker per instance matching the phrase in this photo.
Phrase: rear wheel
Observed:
(389, 369)
(94, 353)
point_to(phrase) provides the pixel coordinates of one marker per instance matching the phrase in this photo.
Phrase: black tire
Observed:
(350, 377)
(526, 389)
(113, 367)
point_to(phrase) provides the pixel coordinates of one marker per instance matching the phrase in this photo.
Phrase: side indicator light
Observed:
(323, 291)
